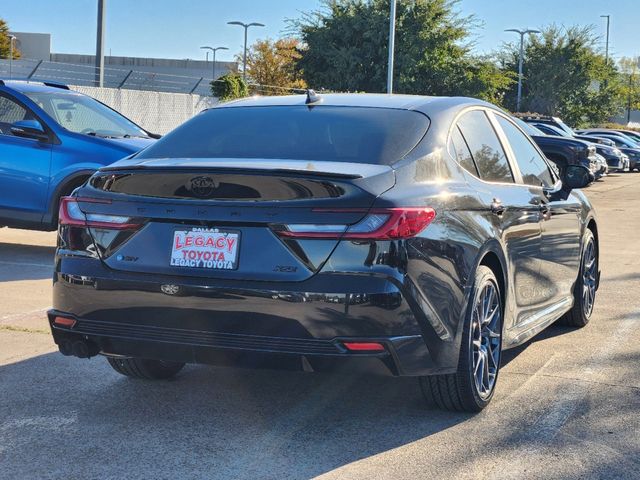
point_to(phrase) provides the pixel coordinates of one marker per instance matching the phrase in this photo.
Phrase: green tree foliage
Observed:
(272, 65)
(630, 82)
(229, 87)
(5, 45)
(346, 49)
(565, 75)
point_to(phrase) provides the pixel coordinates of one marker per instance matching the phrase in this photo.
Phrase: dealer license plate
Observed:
(205, 248)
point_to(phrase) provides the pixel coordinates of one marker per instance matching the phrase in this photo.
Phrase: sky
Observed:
(177, 28)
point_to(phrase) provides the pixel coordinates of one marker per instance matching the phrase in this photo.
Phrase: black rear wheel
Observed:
(472, 386)
(145, 368)
(584, 292)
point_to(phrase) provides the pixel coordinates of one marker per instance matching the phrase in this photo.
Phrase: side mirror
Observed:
(576, 176)
(29, 129)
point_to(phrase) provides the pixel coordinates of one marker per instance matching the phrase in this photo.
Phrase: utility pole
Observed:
(392, 38)
(629, 98)
(606, 48)
(100, 43)
(244, 54)
(522, 33)
(12, 39)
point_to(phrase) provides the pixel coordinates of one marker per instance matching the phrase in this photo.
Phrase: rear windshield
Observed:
(330, 133)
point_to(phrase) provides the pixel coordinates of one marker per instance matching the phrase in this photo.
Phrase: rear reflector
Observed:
(378, 224)
(364, 346)
(70, 214)
(64, 322)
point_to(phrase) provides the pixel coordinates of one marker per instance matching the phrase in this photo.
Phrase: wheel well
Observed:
(594, 229)
(492, 261)
(559, 160)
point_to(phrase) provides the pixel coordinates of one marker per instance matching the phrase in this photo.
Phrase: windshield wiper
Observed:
(99, 135)
(126, 135)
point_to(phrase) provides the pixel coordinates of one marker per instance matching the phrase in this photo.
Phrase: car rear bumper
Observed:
(292, 326)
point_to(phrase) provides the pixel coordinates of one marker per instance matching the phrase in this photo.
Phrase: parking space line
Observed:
(28, 264)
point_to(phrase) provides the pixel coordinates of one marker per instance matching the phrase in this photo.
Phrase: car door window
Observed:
(460, 151)
(533, 167)
(486, 150)
(10, 112)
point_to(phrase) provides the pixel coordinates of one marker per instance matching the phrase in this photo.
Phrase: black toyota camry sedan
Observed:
(402, 235)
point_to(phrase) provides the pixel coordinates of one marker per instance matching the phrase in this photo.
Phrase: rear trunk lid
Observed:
(188, 207)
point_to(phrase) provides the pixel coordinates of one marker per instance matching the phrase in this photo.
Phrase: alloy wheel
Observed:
(486, 339)
(589, 274)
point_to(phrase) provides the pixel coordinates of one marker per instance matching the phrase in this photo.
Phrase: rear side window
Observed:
(331, 133)
(459, 149)
(534, 169)
(485, 147)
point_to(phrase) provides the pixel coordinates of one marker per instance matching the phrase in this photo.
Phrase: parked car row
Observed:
(615, 150)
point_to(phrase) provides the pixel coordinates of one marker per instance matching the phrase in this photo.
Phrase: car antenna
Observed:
(312, 97)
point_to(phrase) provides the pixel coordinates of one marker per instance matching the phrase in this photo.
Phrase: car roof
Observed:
(424, 104)
(26, 86)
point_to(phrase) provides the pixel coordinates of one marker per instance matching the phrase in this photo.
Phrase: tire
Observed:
(461, 391)
(145, 368)
(581, 311)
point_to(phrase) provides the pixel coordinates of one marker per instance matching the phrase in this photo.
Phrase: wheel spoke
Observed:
(489, 333)
(491, 356)
(480, 372)
(487, 384)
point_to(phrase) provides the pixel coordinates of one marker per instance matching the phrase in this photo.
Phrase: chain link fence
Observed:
(157, 112)
(113, 77)
(158, 102)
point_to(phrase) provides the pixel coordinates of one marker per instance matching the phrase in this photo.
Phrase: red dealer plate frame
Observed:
(203, 248)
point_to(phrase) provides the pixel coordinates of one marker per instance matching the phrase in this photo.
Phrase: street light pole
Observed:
(392, 38)
(100, 31)
(11, 40)
(522, 33)
(629, 98)
(606, 48)
(214, 50)
(244, 54)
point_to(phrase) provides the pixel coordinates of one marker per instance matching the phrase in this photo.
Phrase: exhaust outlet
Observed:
(84, 349)
(66, 348)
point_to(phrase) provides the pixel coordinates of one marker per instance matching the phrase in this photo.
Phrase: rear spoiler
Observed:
(345, 170)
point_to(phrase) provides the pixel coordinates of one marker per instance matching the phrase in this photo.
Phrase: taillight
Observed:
(70, 214)
(378, 224)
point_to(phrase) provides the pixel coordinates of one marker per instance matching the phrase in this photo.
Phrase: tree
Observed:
(229, 87)
(630, 80)
(272, 65)
(565, 75)
(5, 42)
(346, 48)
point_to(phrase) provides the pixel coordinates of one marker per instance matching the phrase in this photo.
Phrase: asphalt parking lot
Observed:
(567, 405)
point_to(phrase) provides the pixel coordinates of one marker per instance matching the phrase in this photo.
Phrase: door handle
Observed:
(497, 207)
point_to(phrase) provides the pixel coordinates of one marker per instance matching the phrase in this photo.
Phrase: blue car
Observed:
(51, 140)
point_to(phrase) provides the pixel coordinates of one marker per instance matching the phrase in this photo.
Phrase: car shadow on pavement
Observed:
(551, 331)
(247, 423)
(25, 262)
